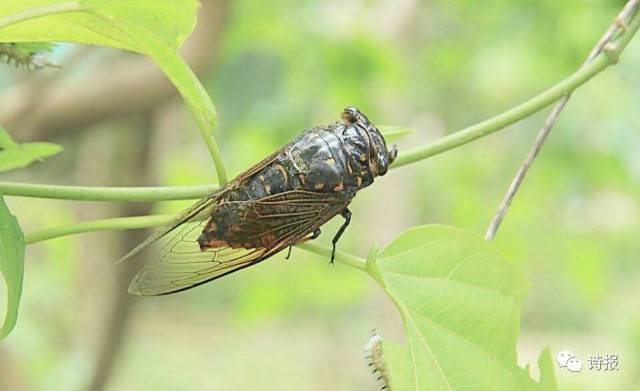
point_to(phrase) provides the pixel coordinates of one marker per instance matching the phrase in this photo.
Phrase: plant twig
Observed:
(620, 23)
(94, 193)
(515, 114)
(341, 256)
(111, 224)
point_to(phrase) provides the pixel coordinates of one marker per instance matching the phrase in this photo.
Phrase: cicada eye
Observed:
(350, 115)
(393, 153)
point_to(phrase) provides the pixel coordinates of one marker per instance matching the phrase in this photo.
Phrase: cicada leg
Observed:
(346, 213)
(314, 235)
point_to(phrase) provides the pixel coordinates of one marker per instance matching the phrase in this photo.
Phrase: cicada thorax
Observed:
(320, 161)
(295, 190)
(266, 207)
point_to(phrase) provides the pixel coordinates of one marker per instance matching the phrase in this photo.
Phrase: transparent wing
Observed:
(199, 211)
(178, 263)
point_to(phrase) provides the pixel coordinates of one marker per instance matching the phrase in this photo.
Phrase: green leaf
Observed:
(156, 31)
(35, 47)
(24, 154)
(93, 23)
(11, 269)
(6, 141)
(460, 301)
(394, 133)
(27, 48)
(547, 375)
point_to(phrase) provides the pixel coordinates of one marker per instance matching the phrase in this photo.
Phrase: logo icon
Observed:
(574, 365)
(566, 359)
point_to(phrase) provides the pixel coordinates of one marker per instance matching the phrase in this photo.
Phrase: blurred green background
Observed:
(274, 70)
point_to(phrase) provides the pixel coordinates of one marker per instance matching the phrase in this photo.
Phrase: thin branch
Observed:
(111, 224)
(206, 122)
(341, 256)
(515, 114)
(95, 193)
(619, 24)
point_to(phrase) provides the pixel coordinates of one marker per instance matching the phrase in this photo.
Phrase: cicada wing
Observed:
(197, 212)
(178, 263)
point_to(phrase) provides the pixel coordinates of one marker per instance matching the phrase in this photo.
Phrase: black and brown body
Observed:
(279, 202)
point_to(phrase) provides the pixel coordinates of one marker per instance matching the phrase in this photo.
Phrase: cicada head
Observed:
(375, 147)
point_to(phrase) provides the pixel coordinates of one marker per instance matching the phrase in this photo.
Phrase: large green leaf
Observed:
(14, 155)
(460, 301)
(11, 269)
(155, 29)
(96, 22)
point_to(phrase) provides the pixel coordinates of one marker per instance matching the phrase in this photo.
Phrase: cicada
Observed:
(278, 203)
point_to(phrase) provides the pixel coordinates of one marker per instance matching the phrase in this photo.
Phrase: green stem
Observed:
(205, 128)
(91, 193)
(119, 223)
(33, 13)
(341, 256)
(533, 105)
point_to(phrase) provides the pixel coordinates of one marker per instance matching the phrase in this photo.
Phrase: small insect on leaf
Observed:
(373, 355)
(28, 55)
(279, 202)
